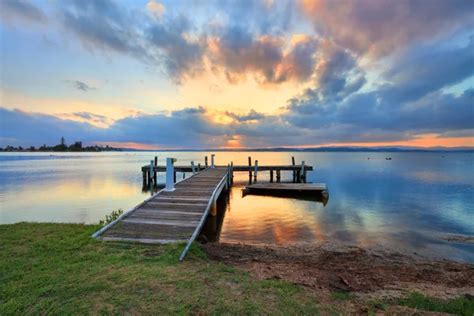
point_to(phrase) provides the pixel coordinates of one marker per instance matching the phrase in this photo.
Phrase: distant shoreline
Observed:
(336, 149)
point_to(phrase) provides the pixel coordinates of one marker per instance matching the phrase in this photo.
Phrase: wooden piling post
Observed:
(193, 168)
(250, 169)
(199, 166)
(174, 176)
(278, 175)
(298, 175)
(184, 175)
(150, 172)
(294, 172)
(303, 171)
(154, 170)
(144, 178)
(205, 162)
(271, 175)
(231, 172)
(255, 172)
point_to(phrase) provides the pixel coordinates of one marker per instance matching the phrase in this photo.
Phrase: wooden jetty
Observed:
(287, 187)
(303, 191)
(149, 172)
(171, 216)
(178, 212)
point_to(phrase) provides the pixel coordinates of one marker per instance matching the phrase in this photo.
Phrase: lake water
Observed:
(408, 203)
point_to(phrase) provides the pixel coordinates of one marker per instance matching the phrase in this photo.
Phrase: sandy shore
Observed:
(366, 273)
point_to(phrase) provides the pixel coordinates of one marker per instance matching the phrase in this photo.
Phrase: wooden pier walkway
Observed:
(178, 212)
(171, 216)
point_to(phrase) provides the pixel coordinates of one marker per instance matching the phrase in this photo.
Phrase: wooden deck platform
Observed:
(316, 191)
(288, 187)
(170, 216)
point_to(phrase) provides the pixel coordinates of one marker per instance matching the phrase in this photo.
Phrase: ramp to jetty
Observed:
(170, 216)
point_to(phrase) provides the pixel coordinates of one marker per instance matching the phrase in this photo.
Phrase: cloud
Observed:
(22, 10)
(171, 45)
(102, 25)
(155, 8)
(240, 53)
(381, 27)
(181, 47)
(82, 86)
(94, 119)
(25, 129)
(251, 116)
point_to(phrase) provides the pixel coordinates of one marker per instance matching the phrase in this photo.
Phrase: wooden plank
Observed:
(165, 216)
(179, 199)
(149, 231)
(174, 206)
(179, 223)
(143, 240)
(183, 209)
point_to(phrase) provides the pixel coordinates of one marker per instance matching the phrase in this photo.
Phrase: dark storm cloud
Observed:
(22, 10)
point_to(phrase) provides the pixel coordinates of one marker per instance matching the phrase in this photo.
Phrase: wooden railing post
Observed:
(294, 171)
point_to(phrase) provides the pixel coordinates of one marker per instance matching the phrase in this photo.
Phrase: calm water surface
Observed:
(408, 203)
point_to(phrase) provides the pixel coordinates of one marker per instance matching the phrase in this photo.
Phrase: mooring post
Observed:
(184, 175)
(271, 175)
(154, 170)
(150, 172)
(250, 169)
(303, 172)
(278, 175)
(256, 170)
(199, 166)
(212, 161)
(231, 172)
(228, 176)
(193, 168)
(294, 172)
(170, 174)
(144, 177)
(205, 162)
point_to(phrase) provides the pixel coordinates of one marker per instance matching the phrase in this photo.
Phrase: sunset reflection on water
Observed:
(407, 203)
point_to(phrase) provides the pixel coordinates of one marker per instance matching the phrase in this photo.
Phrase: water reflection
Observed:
(406, 203)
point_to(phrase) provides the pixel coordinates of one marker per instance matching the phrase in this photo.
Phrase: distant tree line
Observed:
(62, 146)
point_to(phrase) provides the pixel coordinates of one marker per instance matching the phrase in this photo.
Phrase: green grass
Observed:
(458, 306)
(60, 269)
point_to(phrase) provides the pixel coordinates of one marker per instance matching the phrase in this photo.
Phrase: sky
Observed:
(237, 74)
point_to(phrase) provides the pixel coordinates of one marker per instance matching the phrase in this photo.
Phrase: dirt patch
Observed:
(348, 268)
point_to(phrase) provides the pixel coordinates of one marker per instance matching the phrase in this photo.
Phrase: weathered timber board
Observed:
(169, 216)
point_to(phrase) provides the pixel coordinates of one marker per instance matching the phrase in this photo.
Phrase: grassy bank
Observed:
(59, 269)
